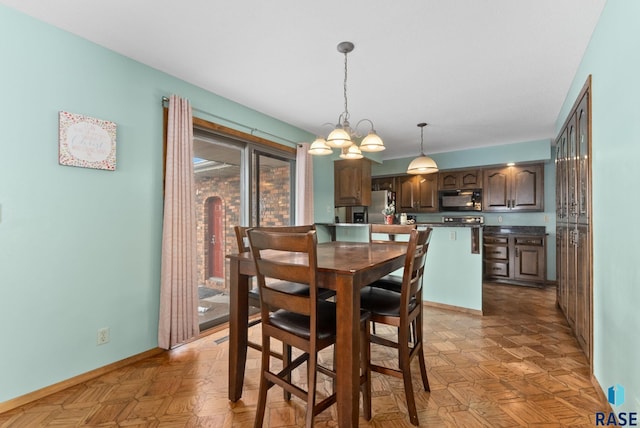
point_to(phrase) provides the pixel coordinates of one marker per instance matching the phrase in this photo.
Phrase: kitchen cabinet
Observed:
(417, 193)
(573, 221)
(496, 257)
(460, 179)
(513, 188)
(529, 258)
(383, 183)
(515, 257)
(352, 182)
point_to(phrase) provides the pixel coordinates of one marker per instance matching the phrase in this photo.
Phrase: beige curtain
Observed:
(304, 185)
(179, 290)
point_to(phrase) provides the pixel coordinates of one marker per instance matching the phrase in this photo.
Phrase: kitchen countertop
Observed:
(427, 224)
(519, 230)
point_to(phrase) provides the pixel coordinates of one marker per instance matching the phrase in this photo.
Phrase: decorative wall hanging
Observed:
(86, 142)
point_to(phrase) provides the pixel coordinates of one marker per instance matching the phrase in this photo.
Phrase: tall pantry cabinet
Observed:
(573, 220)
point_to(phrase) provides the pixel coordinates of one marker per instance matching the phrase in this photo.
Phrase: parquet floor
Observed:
(516, 366)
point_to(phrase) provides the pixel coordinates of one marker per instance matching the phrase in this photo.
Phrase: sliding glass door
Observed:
(237, 183)
(272, 190)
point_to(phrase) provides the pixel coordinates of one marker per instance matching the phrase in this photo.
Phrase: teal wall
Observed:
(452, 274)
(530, 151)
(613, 60)
(80, 248)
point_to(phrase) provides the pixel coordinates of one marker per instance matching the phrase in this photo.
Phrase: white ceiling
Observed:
(480, 72)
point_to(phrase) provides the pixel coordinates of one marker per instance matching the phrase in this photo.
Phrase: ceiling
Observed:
(480, 72)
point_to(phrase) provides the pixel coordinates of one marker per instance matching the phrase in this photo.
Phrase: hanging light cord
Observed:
(345, 114)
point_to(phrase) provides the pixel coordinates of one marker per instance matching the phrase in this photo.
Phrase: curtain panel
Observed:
(178, 320)
(304, 185)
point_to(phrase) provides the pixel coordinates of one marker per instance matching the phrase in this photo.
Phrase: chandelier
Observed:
(423, 164)
(343, 136)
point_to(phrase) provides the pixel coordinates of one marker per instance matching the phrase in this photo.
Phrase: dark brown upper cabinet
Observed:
(460, 179)
(514, 188)
(417, 193)
(352, 182)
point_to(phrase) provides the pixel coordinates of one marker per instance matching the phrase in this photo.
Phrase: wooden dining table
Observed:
(345, 267)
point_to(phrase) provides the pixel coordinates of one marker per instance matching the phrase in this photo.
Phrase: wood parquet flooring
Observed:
(516, 366)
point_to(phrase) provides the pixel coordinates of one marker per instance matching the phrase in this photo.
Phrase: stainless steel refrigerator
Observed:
(379, 200)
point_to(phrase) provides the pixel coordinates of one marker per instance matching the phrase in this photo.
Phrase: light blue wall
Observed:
(613, 60)
(530, 151)
(80, 248)
(452, 274)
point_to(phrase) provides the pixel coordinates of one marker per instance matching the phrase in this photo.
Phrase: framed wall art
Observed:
(86, 142)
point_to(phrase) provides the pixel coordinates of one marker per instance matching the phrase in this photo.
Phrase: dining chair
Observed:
(305, 322)
(389, 233)
(403, 310)
(392, 231)
(254, 297)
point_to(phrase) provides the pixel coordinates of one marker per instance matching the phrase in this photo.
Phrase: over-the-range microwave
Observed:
(460, 200)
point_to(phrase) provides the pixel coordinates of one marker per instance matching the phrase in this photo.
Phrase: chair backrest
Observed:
(391, 230)
(414, 265)
(291, 257)
(243, 242)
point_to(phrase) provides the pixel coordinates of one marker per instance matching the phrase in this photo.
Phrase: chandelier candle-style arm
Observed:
(343, 136)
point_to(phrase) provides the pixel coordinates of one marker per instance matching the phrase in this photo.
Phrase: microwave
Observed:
(460, 200)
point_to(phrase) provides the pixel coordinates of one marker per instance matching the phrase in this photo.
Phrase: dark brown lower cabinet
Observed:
(515, 258)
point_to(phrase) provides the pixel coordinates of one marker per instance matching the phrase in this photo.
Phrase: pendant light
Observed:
(342, 137)
(422, 164)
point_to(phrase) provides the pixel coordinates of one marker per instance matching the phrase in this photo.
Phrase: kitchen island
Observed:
(453, 270)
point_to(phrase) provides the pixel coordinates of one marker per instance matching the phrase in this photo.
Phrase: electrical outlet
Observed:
(452, 236)
(103, 336)
(499, 219)
(546, 219)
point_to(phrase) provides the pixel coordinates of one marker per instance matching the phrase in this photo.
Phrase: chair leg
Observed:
(264, 384)
(365, 364)
(418, 342)
(405, 367)
(312, 363)
(286, 361)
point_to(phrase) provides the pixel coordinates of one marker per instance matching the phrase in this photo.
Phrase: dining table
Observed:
(344, 267)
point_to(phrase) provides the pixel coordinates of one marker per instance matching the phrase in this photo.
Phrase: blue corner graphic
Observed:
(615, 395)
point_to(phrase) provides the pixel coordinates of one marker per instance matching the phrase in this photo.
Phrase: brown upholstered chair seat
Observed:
(292, 288)
(389, 282)
(383, 302)
(299, 324)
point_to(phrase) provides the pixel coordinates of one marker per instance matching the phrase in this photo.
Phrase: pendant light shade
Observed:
(372, 143)
(351, 152)
(320, 147)
(339, 138)
(422, 164)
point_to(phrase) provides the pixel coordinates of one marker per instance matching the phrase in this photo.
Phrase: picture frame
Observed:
(86, 142)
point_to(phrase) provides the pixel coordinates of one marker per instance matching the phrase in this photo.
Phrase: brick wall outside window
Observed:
(274, 211)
